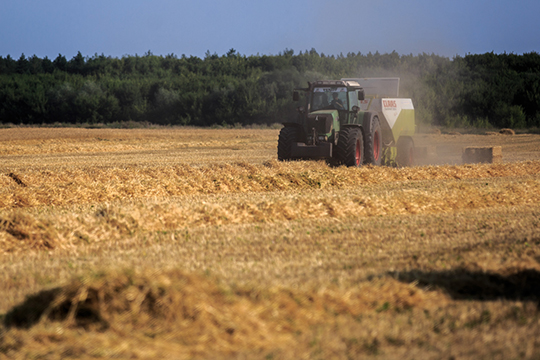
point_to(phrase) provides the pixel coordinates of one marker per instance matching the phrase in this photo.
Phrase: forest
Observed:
(476, 90)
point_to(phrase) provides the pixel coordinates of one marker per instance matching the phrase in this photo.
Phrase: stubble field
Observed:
(190, 243)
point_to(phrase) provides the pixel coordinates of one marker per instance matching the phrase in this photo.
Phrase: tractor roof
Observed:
(348, 83)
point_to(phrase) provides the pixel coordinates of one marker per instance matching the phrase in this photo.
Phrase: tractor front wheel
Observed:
(287, 136)
(351, 146)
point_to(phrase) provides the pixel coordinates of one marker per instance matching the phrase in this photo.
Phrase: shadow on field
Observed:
(45, 304)
(462, 284)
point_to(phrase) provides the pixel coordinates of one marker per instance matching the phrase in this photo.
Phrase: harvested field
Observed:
(189, 243)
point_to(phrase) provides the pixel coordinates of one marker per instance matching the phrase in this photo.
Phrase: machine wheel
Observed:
(373, 143)
(351, 146)
(287, 136)
(405, 152)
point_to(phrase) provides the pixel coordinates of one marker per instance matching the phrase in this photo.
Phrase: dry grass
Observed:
(192, 315)
(221, 256)
(69, 227)
(356, 307)
(67, 186)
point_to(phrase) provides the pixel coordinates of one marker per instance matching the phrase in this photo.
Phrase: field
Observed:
(192, 243)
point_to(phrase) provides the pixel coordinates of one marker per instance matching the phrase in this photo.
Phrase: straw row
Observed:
(68, 186)
(19, 230)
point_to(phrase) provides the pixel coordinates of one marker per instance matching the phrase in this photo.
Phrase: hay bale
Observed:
(479, 154)
(507, 132)
(435, 131)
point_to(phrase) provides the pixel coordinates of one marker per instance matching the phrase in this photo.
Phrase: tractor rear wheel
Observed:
(405, 152)
(287, 136)
(373, 143)
(351, 146)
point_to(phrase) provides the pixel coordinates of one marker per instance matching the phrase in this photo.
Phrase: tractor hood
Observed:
(331, 112)
(323, 121)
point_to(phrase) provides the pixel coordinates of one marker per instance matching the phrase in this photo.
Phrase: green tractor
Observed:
(351, 122)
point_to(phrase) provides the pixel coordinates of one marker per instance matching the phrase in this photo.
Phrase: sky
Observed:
(133, 27)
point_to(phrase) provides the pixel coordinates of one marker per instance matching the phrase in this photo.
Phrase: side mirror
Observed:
(361, 94)
(295, 96)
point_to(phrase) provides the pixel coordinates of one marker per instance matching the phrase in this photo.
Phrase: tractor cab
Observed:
(332, 95)
(330, 104)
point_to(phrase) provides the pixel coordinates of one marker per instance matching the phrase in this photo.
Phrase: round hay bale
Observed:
(507, 132)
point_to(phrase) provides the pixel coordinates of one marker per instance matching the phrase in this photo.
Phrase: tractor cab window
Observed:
(353, 99)
(334, 98)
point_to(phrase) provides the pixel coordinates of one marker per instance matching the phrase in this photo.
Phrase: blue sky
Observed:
(121, 27)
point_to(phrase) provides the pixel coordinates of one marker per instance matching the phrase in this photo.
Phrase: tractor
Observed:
(351, 122)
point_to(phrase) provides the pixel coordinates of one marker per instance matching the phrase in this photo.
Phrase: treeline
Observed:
(501, 90)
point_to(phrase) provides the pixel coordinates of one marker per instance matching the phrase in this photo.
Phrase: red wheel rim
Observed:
(357, 153)
(376, 146)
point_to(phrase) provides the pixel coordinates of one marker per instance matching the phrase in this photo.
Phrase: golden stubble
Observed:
(196, 243)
